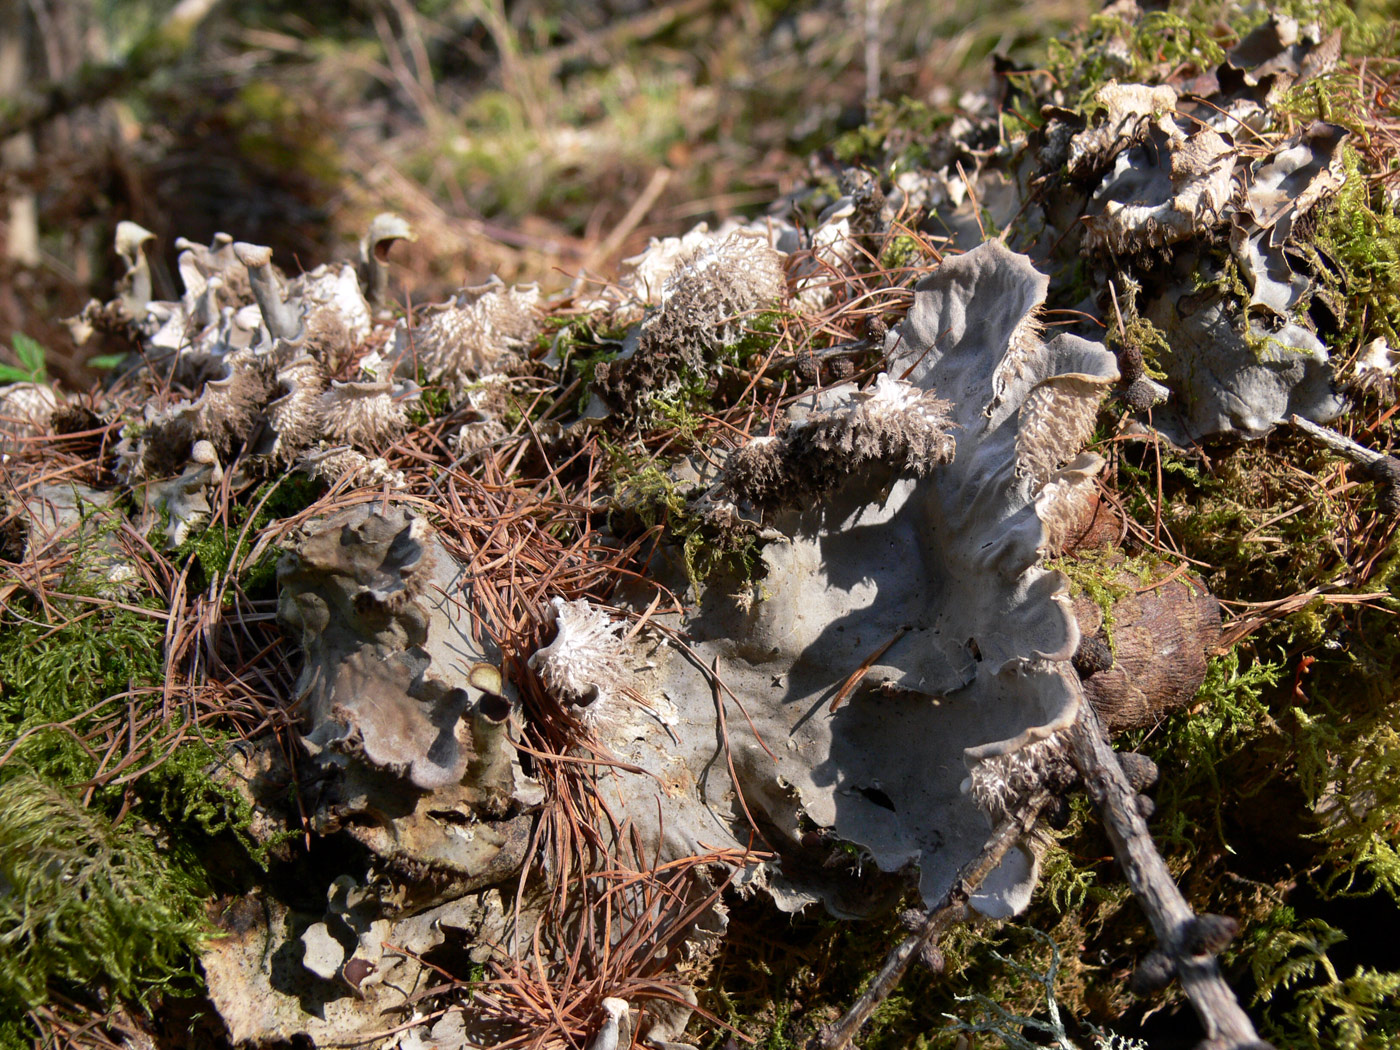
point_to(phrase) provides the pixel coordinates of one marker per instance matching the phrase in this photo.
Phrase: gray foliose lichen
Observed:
(928, 579)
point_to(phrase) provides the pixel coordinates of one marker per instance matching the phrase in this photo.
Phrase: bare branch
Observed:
(1186, 939)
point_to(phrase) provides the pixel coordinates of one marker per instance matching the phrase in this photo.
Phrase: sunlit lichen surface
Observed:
(634, 660)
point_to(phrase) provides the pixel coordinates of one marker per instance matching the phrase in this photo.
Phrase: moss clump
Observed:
(433, 402)
(1361, 239)
(1138, 339)
(1227, 717)
(1307, 1003)
(648, 496)
(1140, 51)
(895, 135)
(901, 251)
(1351, 775)
(64, 666)
(84, 903)
(1105, 578)
(1260, 522)
(221, 549)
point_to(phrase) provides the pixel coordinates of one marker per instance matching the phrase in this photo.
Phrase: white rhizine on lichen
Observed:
(645, 274)
(998, 784)
(1375, 370)
(468, 336)
(584, 665)
(704, 305)
(366, 414)
(642, 278)
(892, 421)
(333, 464)
(705, 297)
(295, 417)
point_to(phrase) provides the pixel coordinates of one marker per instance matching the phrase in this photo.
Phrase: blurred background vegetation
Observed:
(529, 138)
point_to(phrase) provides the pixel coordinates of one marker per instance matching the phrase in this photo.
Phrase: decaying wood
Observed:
(1185, 939)
(1095, 524)
(1161, 634)
(951, 908)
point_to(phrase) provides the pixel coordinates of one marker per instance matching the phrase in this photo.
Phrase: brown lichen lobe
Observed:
(388, 694)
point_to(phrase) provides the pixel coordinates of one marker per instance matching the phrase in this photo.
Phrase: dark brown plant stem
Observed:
(1226, 1025)
(951, 908)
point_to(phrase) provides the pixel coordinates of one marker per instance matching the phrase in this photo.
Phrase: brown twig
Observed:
(1177, 927)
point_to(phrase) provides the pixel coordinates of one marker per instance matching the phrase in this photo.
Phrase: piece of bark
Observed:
(1160, 637)
(1096, 524)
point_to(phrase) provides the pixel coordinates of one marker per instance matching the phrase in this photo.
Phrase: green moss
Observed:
(901, 251)
(579, 347)
(1308, 1004)
(1227, 718)
(1064, 884)
(894, 137)
(761, 333)
(86, 904)
(1137, 52)
(57, 668)
(1360, 238)
(221, 549)
(433, 403)
(1137, 332)
(1106, 577)
(645, 493)
(1258, 523)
